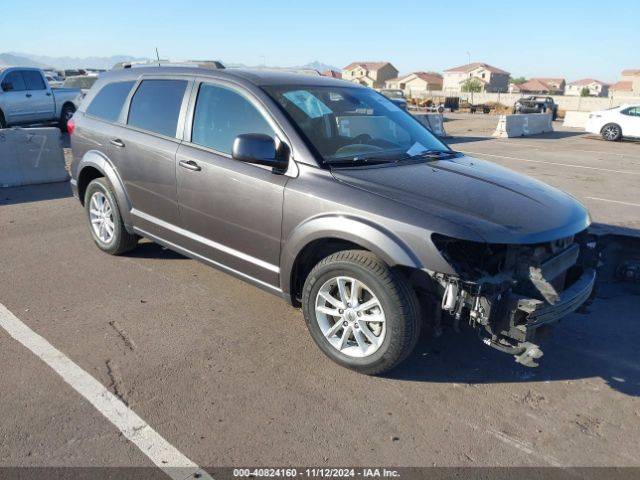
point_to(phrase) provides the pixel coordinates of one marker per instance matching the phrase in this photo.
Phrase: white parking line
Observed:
(542, 147)
(154, 446)
(614, 201)
(626, 172)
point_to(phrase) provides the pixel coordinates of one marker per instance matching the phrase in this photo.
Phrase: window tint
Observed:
(16, 81)
(221, 115)
(34, 80)
(108, 103)
(156, 106)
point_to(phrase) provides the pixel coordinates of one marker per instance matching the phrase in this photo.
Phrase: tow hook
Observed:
(531, 353)
(525, 353)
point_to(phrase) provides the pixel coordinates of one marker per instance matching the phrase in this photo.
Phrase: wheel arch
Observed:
(94, 165)
(320, 237)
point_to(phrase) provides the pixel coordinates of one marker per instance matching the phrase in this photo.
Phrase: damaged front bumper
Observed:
(533, 286)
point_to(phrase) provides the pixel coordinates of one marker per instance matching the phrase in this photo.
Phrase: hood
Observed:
(493, 202)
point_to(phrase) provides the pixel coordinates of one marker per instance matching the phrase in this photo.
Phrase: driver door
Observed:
(231, 211)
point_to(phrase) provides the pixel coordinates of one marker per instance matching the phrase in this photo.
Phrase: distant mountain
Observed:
(62, 63)
(321, 67)
(15, 60)
(72, 62)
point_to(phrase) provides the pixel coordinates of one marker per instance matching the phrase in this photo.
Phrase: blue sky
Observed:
(571, 39)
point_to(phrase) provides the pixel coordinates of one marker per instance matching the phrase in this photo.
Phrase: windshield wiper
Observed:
(357, 160)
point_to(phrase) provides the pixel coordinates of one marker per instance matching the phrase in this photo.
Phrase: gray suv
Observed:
(327, 194)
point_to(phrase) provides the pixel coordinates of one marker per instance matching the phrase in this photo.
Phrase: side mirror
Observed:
(259, 149)
(7, 86)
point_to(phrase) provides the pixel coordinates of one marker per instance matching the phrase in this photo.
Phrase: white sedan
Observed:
(615, 123)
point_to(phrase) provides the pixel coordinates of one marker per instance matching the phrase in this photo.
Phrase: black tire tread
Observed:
(125, 241)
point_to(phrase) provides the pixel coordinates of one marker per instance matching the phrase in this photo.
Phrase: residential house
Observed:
(492, 79)
(596, 87)
(416, 83)
(332, 74)
(370, 74)
(629, 85)
(540, 86)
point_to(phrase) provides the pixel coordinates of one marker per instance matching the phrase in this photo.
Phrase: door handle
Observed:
(117, 142)
(190, 165)
(28, 95)
(48, 94)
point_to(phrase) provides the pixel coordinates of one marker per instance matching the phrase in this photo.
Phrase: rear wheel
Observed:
(3, 122)
(105, 222)
(66, 114)
(361, 314)
(611, 132)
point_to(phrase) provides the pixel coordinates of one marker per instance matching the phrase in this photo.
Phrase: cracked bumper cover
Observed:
(529, 314)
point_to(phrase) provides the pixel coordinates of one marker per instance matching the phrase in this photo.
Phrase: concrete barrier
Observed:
(575, 119)
(523, 125)
(433, 121)
(29, 156)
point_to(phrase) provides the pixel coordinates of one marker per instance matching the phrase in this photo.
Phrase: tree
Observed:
(472, 85)
(517, 80)
(585, 92)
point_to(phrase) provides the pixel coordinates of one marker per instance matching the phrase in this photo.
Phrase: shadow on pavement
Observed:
(34, 193)
(149, 249)
(602, 343)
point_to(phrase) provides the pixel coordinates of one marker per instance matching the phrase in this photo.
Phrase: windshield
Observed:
(351, 124)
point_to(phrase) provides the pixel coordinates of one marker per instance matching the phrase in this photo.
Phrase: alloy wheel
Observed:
(350, 316)
(101, 216)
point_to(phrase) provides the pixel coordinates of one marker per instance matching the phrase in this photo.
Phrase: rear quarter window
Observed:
(108, 103)
(156, 106)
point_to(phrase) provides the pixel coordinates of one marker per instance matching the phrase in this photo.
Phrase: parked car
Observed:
(328, 195)
(615, 123)
(536, 104)
(54, 80)
(83, 82)
(27, 98)
(396, 96)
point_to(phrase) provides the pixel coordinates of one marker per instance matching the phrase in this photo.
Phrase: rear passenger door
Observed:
(144, 145)
(231, 210)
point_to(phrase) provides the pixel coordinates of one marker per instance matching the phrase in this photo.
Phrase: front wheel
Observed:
(361, 314)
(611, 132)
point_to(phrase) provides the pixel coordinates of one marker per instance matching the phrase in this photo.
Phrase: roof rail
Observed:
(210, 64)
(299, 71)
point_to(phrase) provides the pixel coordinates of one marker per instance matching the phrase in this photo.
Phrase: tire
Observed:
(98, 196)
(611, 132)
(3, 122)
(66, 114)
(393, 308)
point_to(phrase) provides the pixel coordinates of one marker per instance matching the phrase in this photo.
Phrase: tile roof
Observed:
(331, 73)
(472, 66)
(631, 72)
(586, 81)
(428, 77)
(622, 86)
(540, 84)
(371, 66)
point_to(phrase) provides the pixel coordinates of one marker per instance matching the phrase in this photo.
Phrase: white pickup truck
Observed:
(27, 98)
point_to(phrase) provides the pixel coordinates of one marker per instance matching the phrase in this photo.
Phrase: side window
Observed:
(108, 103)
(221, 115)
(14, 82)
(34, 80)
(156, 106)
